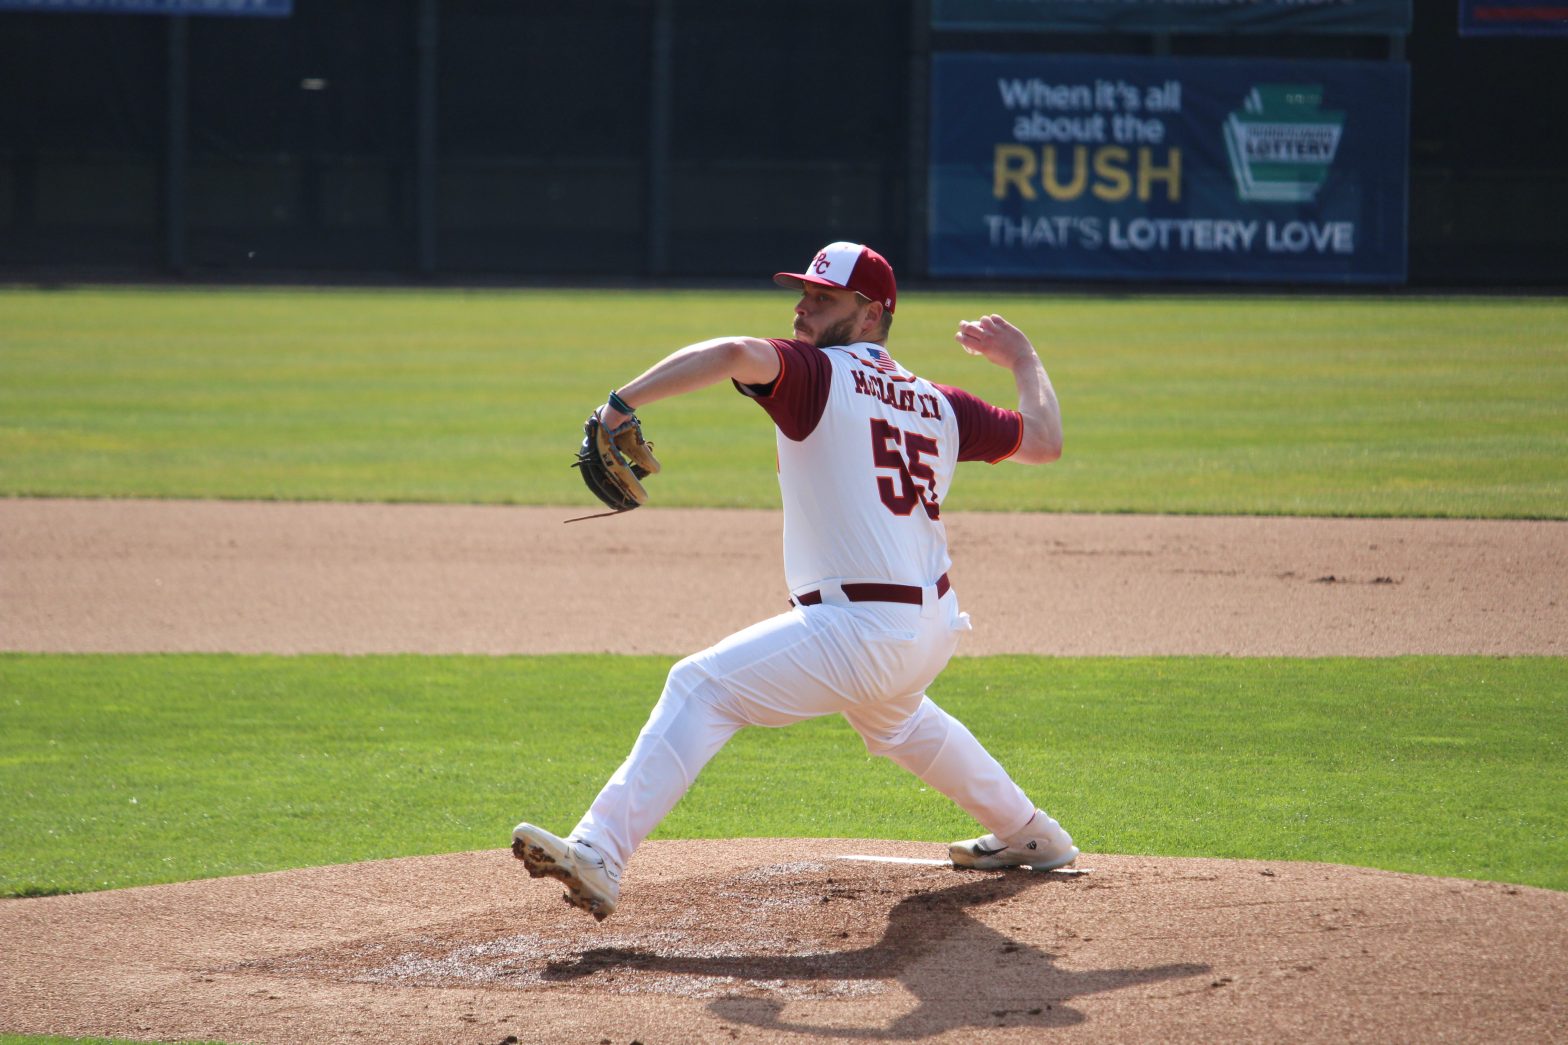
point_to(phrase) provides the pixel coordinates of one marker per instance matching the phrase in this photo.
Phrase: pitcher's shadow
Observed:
(918, 926)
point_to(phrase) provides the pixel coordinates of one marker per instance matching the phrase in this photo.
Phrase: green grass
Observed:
(1323, 406)
(197, 766)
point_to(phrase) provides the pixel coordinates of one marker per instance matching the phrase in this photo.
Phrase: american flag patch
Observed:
(882, 361)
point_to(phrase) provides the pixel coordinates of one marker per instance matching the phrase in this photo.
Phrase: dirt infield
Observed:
(152, 576)
(778, 939)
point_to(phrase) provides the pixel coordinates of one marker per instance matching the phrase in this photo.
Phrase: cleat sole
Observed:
(540, 864)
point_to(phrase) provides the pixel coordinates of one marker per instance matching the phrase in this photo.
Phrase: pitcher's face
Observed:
(826, 316)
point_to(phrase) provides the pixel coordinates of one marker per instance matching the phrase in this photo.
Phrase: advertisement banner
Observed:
(1512, 18)
(230, 8)
(1106, 167)
(1175, 16)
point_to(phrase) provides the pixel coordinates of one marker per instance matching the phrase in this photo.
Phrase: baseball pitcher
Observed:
(866, 454)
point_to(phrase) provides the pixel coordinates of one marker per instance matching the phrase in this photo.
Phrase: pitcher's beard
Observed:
(840, 333)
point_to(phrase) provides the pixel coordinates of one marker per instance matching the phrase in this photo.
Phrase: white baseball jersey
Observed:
(866, 453)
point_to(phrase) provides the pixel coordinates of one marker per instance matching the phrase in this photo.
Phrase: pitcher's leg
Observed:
(687, 728)
(941, 751)
(788, 668)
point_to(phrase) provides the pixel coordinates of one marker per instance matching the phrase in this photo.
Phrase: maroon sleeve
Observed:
(985, 432)
(796, 398)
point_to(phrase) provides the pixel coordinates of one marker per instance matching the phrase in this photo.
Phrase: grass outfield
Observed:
(199, 766)
(1316, 406)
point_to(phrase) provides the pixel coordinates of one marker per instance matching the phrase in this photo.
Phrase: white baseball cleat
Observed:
(591, 883)
(1041, 845)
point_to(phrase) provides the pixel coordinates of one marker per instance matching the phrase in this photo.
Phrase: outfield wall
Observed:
(649, 138)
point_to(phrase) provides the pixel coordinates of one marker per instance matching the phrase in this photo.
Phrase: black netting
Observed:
(786, 126)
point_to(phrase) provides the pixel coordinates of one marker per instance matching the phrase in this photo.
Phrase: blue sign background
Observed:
(1155, 16)
(1108, 167)
(230, 8)
(1513, 18)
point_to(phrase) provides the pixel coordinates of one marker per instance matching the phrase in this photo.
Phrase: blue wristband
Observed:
(620, 404)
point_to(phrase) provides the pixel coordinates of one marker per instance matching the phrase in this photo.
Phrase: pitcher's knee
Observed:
(689, 684)
(879, 744)
(920, 734)
(690, 679)
(914, 742)
(684, 678)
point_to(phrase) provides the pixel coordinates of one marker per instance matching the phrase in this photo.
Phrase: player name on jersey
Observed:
(906, 399)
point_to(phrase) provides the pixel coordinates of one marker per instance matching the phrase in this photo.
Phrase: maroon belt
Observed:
(875, 592)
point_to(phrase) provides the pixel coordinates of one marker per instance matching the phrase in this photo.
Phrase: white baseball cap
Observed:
(853, 266)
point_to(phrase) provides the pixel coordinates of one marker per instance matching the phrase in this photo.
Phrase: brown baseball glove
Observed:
(613, 463)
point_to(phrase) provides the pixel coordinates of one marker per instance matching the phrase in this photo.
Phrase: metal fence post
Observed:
(426, 171)
(916, 155)
(176, 144)
(661, 97)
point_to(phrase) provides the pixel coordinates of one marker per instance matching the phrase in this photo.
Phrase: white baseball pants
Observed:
(869, 661)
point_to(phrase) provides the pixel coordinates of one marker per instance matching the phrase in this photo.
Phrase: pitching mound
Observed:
(790, 940)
